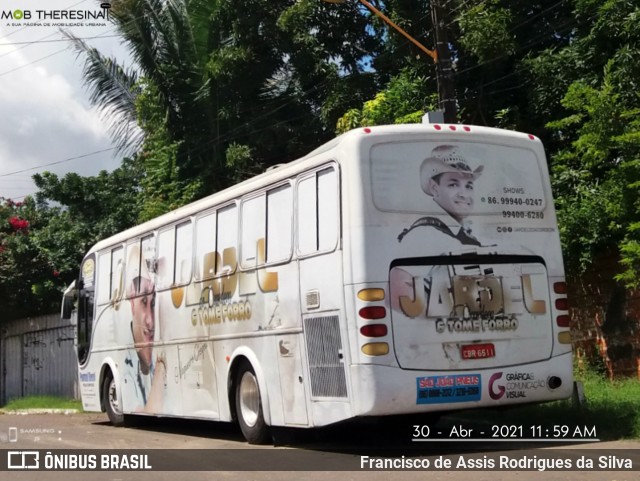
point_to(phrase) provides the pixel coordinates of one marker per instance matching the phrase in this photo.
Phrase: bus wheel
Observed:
(249, 406)
(111, 401)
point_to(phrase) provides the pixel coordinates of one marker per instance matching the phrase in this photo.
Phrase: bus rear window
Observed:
(427, 177)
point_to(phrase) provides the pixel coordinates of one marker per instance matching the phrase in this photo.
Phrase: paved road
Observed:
(313, 452)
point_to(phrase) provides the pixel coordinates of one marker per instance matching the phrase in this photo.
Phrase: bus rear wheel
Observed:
(249, 406)
(112, 405)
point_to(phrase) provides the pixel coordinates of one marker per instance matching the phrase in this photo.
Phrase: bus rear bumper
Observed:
(384, 390)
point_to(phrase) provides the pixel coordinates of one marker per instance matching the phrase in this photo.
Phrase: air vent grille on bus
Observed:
(313, 299)
(324, 347)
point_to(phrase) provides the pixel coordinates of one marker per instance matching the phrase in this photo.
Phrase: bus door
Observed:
(85, 314)
(320, 264)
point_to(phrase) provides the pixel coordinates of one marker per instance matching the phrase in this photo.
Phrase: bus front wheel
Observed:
(110, 393)
(249, 406)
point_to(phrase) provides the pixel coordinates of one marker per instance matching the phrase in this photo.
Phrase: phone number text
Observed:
(515, 201)
(514, 214)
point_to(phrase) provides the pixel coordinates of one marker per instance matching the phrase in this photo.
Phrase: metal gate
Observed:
(37, 358)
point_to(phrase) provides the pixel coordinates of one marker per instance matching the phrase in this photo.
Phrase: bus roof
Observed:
(313, 158)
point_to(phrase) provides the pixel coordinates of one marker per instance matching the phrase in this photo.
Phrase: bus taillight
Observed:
(373, 312)
(562, 304)
(374, 330)
(376, 349)
(372, 294)
(560, 287)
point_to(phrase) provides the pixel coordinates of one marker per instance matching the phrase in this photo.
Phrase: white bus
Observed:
(394, 270)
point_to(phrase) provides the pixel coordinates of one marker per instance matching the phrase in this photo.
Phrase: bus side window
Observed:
(328, 211)
(173, 266)
(279, 224)
(307, 216)
(205, 247)
(226, 237)
(141, 256)
(116, 275)
(318, 217)
(253, 229)
(110, 276)
(184, 248)
(166, 253)
(104, 279)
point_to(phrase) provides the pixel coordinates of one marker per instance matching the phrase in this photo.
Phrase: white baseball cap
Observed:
(136, 267)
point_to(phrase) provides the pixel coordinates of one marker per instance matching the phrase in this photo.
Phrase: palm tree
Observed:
(232, 80)
(169, 47)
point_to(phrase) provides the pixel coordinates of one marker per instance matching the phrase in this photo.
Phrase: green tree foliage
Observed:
(403, 101)
(330, 51)
(261, 98)
(494, 42)
(162, 188)
(30, 279)
(102, 205)
(169, 44)
(223, 89)
(566, 71)
(214, 75)
(485, 30)
(41, 245)
(597, 167)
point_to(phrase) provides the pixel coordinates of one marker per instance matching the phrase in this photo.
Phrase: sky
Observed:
(46, 120)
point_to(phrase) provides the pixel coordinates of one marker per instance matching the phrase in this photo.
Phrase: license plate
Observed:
(478, 351)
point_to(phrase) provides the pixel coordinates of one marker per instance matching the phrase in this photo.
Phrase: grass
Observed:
(42, 402)
(613, 407)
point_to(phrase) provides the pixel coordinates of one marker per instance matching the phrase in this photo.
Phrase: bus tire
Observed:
(249, 406)
(112, 405)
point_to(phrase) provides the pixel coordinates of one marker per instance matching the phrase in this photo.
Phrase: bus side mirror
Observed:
(68, 302)
(67, 307)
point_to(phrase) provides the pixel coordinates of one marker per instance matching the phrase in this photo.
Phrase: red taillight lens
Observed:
(560, 287)
(373, 312)
(374, 330)
(563, 321)
(562, 304)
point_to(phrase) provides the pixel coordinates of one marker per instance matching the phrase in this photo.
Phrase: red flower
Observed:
(56, 273)
(18, 224)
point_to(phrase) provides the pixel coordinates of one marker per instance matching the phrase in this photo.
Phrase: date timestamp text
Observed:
(514, 432)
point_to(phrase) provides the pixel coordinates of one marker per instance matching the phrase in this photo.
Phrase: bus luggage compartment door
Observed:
(451, 313)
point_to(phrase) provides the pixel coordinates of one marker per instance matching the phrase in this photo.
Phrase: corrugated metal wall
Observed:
(12, 367)
(37, 358)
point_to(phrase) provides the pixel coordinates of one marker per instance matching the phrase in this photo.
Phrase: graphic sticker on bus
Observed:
(468, 298)
(513, 385)
(454, 315)
(448, 389)
(460, 274)
(226, 298)
(474, 196)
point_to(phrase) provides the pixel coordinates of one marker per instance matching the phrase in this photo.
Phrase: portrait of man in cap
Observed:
(448, 178)
(144, 375)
